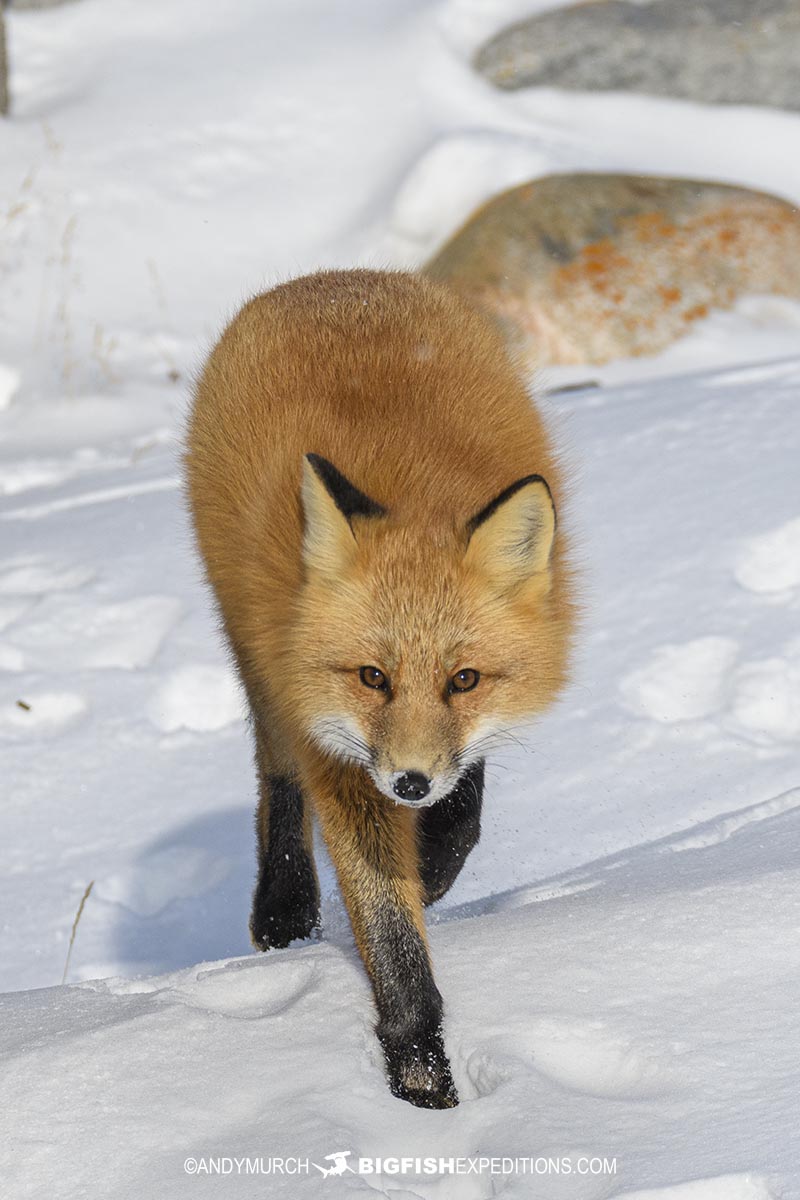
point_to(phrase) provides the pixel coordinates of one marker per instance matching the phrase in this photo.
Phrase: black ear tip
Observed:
(350, 501)
(506, 494)
(319, 465)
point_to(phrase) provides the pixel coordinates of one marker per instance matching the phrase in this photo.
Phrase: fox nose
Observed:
(412, 785)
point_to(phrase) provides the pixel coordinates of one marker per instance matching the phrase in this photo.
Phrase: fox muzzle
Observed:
(411, 786)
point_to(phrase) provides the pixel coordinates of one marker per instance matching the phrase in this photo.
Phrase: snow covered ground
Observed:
(620, 959)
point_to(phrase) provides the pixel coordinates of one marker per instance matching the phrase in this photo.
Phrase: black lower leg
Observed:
(447, 831)
(286, 899)
(410, 1012)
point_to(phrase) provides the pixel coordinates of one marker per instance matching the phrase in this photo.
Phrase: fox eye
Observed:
(464, 681)
(371, 677)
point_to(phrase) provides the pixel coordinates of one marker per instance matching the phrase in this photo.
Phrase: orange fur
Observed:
(413, 397)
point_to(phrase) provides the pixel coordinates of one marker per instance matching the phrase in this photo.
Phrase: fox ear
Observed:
(511, 539)
(330, 501)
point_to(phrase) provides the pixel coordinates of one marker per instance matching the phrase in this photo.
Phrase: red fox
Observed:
(375, 500)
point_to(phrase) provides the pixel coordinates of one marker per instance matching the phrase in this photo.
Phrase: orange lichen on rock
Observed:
(585, 268)
(652, 226)
(694, 314)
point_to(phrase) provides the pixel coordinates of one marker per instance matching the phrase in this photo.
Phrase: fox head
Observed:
(417, 649)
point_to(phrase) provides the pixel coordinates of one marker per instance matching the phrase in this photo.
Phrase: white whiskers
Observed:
(339, 735)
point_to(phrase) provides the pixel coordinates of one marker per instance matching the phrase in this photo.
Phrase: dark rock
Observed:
(35, 3)
(713, 51)
(3, 67)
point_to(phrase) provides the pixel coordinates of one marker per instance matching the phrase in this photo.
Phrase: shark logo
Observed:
(339, 1164)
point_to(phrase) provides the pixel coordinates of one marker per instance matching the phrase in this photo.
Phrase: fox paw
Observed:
(273, 928)
(419, 1072)
(281, 916)
(438, 878)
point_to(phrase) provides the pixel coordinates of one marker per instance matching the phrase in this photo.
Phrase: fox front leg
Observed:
(373, 845)
(447, 831)
(286, 898)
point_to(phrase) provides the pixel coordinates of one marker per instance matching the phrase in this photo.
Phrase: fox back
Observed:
(352, 437)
